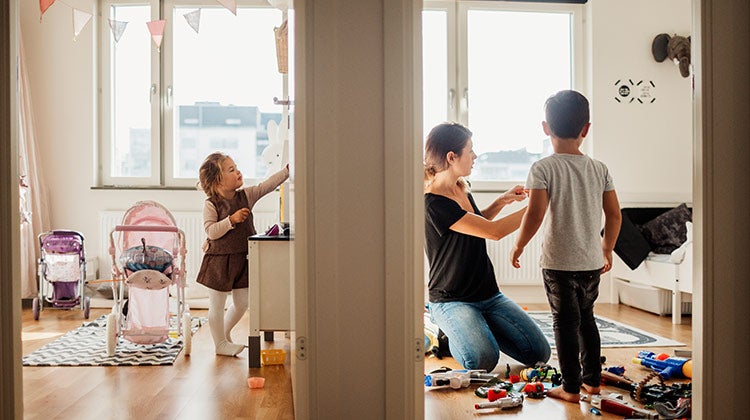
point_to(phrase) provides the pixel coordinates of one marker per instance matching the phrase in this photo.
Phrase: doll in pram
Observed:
(148, 257)
(61, 271)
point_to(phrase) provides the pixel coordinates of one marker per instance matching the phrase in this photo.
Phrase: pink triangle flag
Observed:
(43, 6)
(80, 19)
(231, 5)
(156, 27)
(193, 19)
(117, 27)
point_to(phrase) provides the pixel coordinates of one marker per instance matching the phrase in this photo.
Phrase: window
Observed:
(165, 109)
(490, 66)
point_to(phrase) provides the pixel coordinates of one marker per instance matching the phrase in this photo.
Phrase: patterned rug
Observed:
(87, 346)
(612, 333)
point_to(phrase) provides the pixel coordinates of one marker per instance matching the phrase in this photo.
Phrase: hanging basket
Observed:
(282, 42)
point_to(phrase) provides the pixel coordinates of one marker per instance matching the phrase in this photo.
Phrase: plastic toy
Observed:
(456, 378)
(512, 400)
(254, 382)
(615, 405)
(496, 385)
(648, 394)
(668, 367)
(534, 390)
(273, 356)
(495, 394)
(541, 372)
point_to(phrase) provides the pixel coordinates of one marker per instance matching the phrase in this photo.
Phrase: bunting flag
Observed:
(117, 27)
(279, 4)
(231, 5)
(43, 6)
(80, 19)
(193, 19)
(156, 27)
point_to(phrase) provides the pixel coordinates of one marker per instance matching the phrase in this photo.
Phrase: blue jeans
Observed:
(478, 331)
(571, 296)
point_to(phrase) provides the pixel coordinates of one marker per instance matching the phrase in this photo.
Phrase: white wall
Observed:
(648, 147)
(62, 74)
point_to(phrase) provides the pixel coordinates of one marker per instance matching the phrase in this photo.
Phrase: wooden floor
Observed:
(207, 386)
(202, 385)
(459, 404)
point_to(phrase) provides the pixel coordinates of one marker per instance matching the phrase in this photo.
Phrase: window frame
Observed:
(162, 111)
(457, 43)
(106, 94)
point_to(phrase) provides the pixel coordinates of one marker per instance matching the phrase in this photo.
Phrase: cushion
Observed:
(154, 258)
(631, 246)
(667, 231)
(148, 279)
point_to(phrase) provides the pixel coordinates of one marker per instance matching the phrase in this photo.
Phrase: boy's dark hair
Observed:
(567, 112)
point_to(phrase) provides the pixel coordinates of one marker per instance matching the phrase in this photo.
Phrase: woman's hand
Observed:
(239, 216)
(517, 193)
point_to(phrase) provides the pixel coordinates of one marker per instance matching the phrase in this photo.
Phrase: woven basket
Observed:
(282, 42)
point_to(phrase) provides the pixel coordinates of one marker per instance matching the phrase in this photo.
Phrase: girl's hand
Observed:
(239, 216)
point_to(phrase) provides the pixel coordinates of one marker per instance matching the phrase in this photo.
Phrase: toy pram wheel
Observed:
(86, 307)
(187, 333)
(111, 334)
(35, 308)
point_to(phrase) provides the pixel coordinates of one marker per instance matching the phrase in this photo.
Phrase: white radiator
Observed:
(530, 274)
(192, 224)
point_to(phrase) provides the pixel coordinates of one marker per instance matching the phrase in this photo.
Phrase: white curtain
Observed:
(32, 191)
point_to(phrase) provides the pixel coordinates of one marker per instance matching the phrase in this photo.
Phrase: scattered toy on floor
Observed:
(668, 367)
(456, 378)
(512, 400)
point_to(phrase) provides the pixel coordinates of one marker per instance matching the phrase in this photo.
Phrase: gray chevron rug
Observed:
(87, 346)
(611, 333)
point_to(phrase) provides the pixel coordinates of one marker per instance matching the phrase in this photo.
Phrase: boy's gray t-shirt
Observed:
(575, 185)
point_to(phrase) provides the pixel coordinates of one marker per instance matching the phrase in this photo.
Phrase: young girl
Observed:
(228, 223)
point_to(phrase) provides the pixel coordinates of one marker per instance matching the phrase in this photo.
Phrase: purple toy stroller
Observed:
(61, 271)
(148, 256)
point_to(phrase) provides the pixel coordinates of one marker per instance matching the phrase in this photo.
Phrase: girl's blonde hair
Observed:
(209, 175)
(444, 138)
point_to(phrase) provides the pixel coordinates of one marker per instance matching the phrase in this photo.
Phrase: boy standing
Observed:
(575, 188)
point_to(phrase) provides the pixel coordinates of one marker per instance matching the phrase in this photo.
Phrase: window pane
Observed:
(516, 60)
(225, 79)
(434, 68)
(131, 108)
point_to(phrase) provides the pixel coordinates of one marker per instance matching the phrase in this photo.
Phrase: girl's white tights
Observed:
(221, 325)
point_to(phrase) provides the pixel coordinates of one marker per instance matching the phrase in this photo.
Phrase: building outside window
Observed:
(490, 66)
(205, 88)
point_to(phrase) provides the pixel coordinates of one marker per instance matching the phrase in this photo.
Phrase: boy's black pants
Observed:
(571, 295)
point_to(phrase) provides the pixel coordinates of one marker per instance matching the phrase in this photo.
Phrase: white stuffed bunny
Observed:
(273, 153)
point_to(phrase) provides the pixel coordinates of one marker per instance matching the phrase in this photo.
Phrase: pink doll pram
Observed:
(148, 256)
(61, 271)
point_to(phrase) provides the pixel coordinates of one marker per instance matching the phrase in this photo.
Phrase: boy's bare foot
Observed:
(592, 389)
(560, 393)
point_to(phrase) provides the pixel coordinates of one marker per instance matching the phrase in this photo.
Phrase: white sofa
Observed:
(657, 278)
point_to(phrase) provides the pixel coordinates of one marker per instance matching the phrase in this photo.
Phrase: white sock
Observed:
(235, 312)
(225, 348)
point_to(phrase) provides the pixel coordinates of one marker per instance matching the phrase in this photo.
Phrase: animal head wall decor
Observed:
(676, 48)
